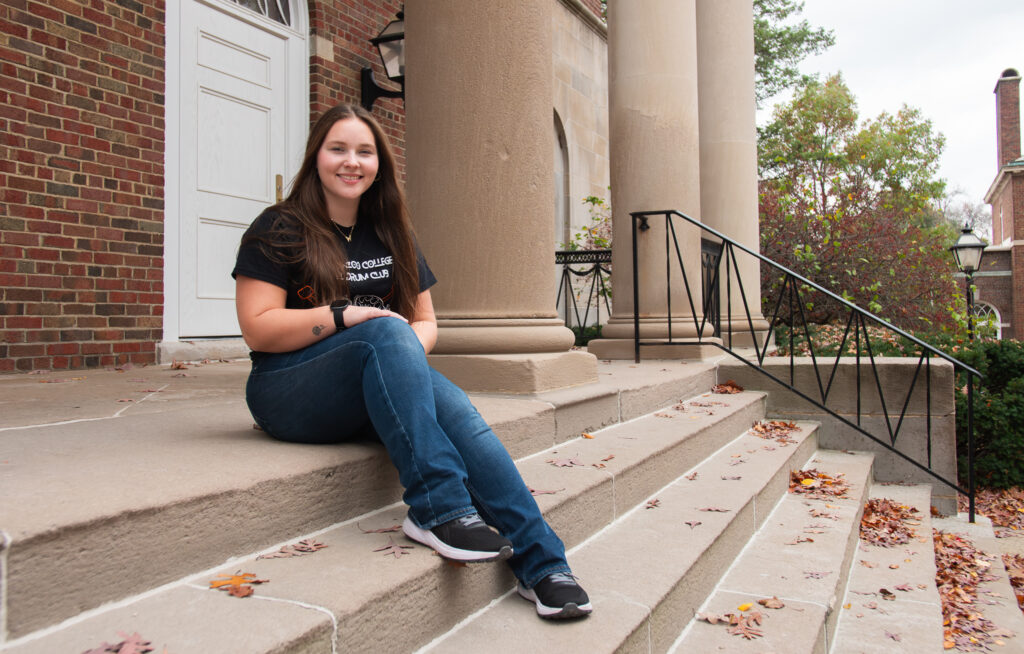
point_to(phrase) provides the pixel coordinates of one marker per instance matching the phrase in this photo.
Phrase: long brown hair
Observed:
(303, 232)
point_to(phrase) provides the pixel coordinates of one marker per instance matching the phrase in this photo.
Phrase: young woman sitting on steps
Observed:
(333, 298)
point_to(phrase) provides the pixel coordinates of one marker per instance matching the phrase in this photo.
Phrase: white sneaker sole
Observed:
(570, 610)
(427, 537)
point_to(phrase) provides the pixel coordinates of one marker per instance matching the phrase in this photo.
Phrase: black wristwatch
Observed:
(338, 309)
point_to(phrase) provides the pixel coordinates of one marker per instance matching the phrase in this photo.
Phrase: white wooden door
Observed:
(233, 145)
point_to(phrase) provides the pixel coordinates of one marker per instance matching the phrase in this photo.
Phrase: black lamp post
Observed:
(391, 45)
(967, 252)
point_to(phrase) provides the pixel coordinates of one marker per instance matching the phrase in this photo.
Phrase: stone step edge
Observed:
(744, 403)
(600, 565)
(915, 616)
(150, 540)
(817, 614)
(1005, 613)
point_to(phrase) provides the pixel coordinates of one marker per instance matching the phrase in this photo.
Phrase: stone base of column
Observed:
(740, 336)
(620, 348)
(517, 373)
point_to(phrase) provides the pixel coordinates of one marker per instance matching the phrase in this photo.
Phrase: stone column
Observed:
(655, 164)
(728, 152)
(479, 138)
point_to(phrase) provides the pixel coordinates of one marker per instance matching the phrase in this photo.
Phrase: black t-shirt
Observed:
(369, 268)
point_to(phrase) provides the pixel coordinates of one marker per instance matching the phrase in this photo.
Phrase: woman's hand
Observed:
(354, 315)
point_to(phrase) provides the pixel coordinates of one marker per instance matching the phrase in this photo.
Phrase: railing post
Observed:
(636, 295)
(970, 447)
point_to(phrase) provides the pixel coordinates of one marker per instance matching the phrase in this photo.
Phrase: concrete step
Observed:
(996, 597)
(800, 558)
(911, 621)
(647, 572)
(350, 593)
(118, 482)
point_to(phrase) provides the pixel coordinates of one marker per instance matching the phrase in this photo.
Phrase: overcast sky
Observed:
(941, 56)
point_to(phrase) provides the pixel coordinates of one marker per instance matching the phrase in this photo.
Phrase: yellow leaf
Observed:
(586, 435)
(807, 482)
(745, 607)
(847, 605)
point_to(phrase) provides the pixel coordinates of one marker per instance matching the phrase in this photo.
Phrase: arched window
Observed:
(276, 10)
(987, 321)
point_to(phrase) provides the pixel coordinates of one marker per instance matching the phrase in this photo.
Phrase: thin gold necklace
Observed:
(351, 231)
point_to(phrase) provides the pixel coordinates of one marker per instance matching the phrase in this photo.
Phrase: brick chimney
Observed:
(1008, 117)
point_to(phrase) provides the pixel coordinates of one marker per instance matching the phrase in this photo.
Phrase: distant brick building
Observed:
(138, 138)
(1001, 280)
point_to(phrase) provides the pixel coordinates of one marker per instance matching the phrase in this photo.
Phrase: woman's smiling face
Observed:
(347, 162)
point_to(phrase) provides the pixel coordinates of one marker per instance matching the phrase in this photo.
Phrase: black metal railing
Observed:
(793, 295)
(585, 274)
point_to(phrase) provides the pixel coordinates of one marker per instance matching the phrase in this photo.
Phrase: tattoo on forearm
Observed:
(317, 329)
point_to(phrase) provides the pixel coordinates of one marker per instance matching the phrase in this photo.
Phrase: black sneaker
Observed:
(558, 596)
(467, 539)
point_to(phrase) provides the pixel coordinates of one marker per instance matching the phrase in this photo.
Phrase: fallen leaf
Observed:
(894, 566)
(869, 564)
(653, 504)
(715, 509)
(735, 478)
(887, 594)
(565, 463)
(691, 476)
(609, 457)
(816, 575)
(730, 387)
(133, 644)
(800, 539)
(393, 548)
(178, 365)
(896, 637)
(771, 603)
(536, 492)
(599, 465)
(745, 607)
(906, 588)
(303, 547)
(237, 584)
(586, 435)
(692, 524)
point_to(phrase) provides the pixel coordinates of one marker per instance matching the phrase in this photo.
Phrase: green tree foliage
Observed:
(844, 202)
(779, 46)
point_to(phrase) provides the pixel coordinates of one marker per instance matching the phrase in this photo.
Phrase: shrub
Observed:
(998, 414)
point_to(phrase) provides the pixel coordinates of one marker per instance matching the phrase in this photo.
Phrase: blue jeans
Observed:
(375, 375)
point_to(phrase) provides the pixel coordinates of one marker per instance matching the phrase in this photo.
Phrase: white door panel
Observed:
(233, 142)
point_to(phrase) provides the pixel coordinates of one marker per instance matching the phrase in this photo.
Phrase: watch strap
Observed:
(338, 309)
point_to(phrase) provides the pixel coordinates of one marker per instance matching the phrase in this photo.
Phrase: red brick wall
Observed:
(81, 182)
(349, 26)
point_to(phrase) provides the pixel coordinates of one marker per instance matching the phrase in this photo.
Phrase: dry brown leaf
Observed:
(715, 509)
(691, 476)
(565, 463)
(729, 388)
(609, 457)
(237, 584)
(816, 484)
(393, 548)
(133, 644)
(771, 603)
(885, 523)
(653, 504)
(586, 435)
(536, 492)
(301, 548)
(692, 523)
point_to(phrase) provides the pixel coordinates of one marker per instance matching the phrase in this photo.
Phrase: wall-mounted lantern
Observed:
(391, 45)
